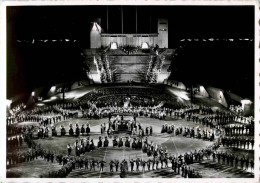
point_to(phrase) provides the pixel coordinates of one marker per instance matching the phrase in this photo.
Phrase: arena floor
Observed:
(174, 144)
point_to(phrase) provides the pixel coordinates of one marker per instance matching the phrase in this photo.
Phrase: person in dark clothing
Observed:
(120, 144)
(132, 162)
(82, 130)
(86, 162)
(242, 163)
(106, 142)
(100, 142)
(102, 164)
(93, 164)
(148, 164)
(252, 165)
(52, 157)
(87, 130)
(137, 162)
(77, 131)
(71, 131)
(127, 143)
(115, 143)
(116, 165)
(111, 164)
(69, 149)
(92, 146)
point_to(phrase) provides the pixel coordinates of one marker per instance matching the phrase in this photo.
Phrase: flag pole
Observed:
(107, 19)
(122, 19)
(136, 19)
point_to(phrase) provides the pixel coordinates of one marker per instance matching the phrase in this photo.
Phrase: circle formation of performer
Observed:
(123, 130)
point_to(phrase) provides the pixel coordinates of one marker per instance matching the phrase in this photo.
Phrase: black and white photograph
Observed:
(131, 91)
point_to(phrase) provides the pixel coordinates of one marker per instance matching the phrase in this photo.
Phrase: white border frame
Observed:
(123, 2)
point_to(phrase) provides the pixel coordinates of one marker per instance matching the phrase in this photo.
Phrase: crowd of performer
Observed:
(16, 155)
(238, 142)
(109, 128)
(237, 130)
(236, 108)
(44, 115)
(160, 156)
(179, 163)
(189, 132)
(157, 156)
(15, 142)
(83, 146)
(232, 160)
(16, 130)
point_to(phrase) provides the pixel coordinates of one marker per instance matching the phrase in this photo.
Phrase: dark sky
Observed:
(33, 65)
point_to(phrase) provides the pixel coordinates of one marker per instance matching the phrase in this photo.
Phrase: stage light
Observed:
(53, 98)
(33, 93)
(47, 100)
(53, 88)
(75, 94)
(96, 27)
(145, 46)
(179, 93)
(113, 46)
(96, 77)
(67, 40)
(8, 103)
(180, 99)
(220, 94)
(246, 101)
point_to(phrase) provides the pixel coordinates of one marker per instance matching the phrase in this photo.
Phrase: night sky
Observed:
(32, 63)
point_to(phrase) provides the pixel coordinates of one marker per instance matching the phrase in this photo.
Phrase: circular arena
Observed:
(128, 130)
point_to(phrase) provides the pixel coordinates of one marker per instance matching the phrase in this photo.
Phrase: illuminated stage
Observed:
(124, 68)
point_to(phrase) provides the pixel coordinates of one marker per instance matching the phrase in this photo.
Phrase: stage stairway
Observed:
(127, 68)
